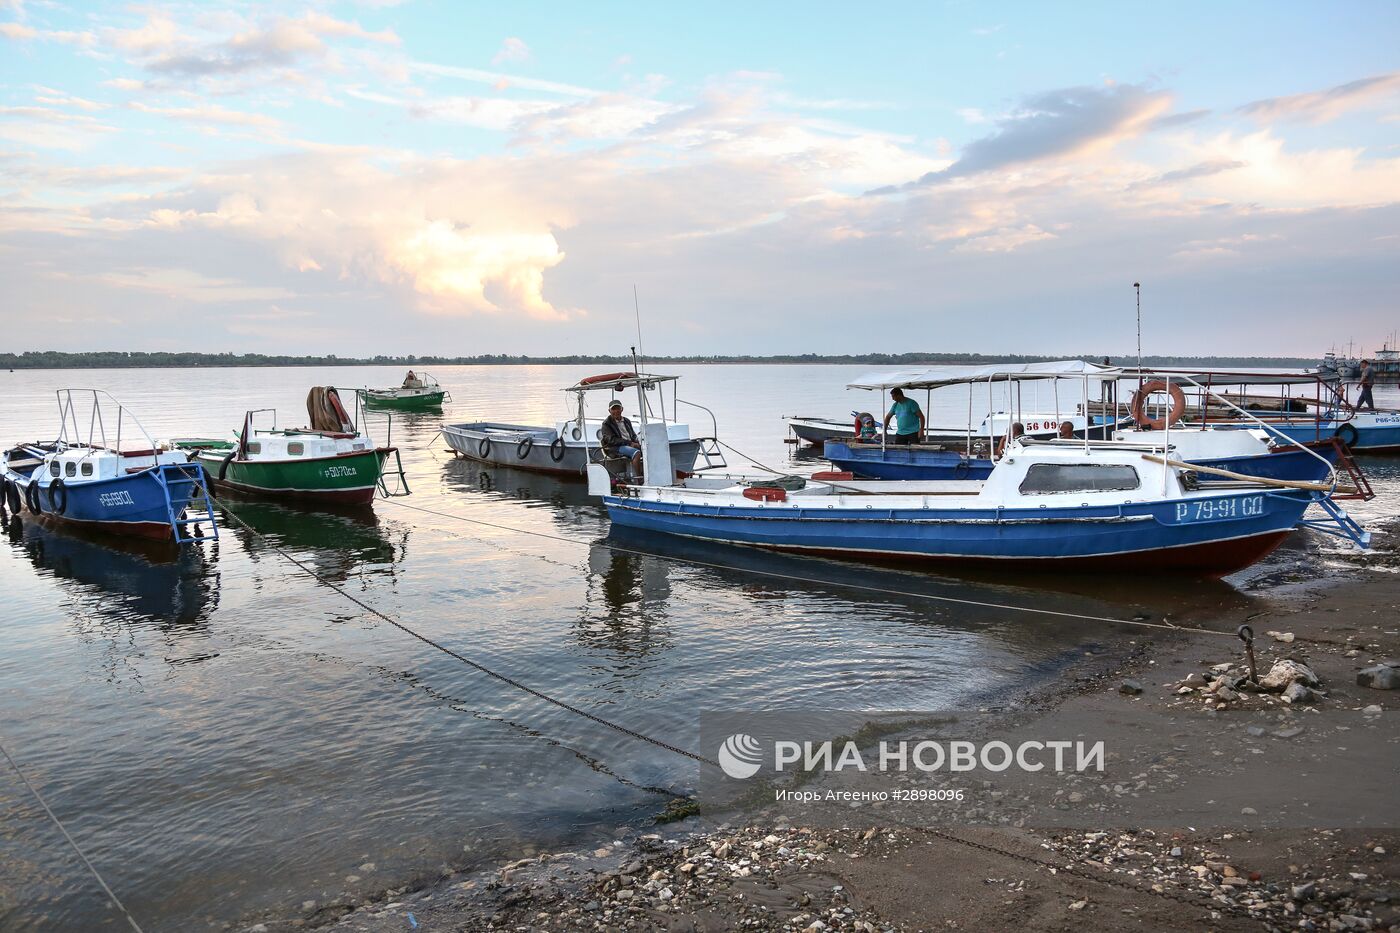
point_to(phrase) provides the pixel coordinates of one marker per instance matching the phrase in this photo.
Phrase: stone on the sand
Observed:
(1285, 672)
(1380, 677)
(1299, 692)
(1130, 687)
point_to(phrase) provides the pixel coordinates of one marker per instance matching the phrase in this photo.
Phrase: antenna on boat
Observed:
(1137, 287)
(637, 307)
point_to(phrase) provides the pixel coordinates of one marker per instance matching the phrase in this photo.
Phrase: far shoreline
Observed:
(53, 360)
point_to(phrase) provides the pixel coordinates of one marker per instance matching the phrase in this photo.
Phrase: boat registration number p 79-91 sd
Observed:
(1208, 510)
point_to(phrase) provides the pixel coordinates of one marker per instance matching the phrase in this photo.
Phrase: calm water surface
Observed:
(226, 737)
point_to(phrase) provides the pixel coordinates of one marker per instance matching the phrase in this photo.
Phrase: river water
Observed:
(224, 737)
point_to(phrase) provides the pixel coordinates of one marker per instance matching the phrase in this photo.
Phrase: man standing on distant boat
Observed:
(619, 439)
(909, 419)
(1367, 380)
(411, 381)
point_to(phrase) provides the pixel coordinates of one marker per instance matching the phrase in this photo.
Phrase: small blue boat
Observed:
(147, 491)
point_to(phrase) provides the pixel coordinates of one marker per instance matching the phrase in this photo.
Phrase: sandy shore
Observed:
(868, 875)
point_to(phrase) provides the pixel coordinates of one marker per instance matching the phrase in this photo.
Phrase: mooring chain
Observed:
(480, 668)
(864, 587)
(111, 896)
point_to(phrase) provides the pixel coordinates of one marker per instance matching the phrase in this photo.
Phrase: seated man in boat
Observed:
(1066, 430)
(1017, 429)
(619, 439)
(411, 381)
(908, 416)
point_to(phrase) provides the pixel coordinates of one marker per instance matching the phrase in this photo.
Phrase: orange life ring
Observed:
(1141, 396)
(605, 377)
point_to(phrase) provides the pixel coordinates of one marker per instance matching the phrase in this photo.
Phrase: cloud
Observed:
(22, 33)
(281, 42)
(208, 113)
(496, 78)
(512, 50)
(1199, 170)
(1322, 106)
(1054, 125)
(437, 227)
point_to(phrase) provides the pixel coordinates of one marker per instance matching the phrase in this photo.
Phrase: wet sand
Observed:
(771, 874)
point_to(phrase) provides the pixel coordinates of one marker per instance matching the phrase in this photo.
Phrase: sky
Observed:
(460, 178)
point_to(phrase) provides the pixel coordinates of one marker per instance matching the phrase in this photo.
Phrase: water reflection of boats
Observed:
(626, 605)
(124, 579)
(473, 476)
(764, 574)
(337, 540)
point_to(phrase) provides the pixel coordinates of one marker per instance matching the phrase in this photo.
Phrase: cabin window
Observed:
(1078, 477)
(255, 447)
(71, 469)
(54, 468)
(87, 469)
(295, 448)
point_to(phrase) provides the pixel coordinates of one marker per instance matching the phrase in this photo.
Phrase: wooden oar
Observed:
(1242, 477)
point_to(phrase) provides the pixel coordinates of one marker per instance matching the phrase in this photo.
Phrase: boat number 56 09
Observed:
(1205, 510)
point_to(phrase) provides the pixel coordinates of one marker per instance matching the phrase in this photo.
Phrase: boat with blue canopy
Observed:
(1077, 504)
(1250, 447)
(94, 479)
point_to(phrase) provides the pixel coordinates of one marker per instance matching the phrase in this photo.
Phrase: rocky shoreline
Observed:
(1331, 647)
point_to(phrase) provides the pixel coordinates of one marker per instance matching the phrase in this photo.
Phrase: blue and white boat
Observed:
(1251, 449)
(1077, 506)
(82, 478)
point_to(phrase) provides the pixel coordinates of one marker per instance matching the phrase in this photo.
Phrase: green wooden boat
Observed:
(316, 464)
(419, 392)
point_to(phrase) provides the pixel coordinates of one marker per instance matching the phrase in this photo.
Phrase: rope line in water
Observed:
(480, 668)
(116, 902)
(798, 579)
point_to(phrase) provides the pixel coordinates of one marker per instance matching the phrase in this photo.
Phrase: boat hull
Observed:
(347, 479)
(540, 456)
(427, 401)
(1210, 536)
(1367, 433)
(133, 504)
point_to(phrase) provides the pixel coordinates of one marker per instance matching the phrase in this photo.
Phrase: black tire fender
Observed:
(483, 447)
(223, 464)
(522, 450)
(557, 449)
(31, 497)
(1348, 434)
(58, 504)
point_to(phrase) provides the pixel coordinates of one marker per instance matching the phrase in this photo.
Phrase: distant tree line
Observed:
(53, 359)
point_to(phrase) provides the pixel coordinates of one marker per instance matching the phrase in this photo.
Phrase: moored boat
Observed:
(1073, 506)
(89, 480)
(571, 445)
(332, 462)
(419, 392)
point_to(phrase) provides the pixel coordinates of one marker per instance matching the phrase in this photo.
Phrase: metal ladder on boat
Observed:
(175, 479)
(1360, 485)
(1337, 522)
(401, 489)
(710, 452)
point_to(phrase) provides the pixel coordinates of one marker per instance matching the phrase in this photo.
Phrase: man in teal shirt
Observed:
(909, 419)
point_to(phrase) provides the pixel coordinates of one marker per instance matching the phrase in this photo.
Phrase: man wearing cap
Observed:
(619, 438)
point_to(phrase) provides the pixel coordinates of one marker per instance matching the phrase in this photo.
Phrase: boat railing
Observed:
(714, 422)
(97, 424)
(1249, 416)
